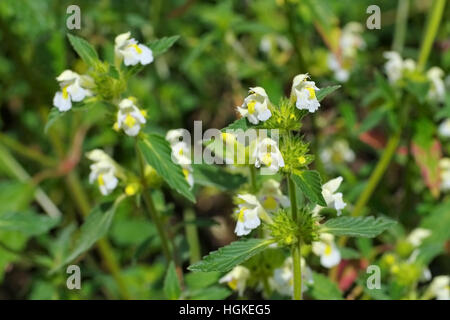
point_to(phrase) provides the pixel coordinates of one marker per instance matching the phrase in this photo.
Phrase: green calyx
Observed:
(109, 83)
(294, 151)
(285, 116)
(287, 232)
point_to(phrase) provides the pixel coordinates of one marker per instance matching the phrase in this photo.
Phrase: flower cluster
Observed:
(398, 69)
(99, 85)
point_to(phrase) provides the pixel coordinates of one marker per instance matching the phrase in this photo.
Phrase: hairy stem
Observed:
(296, 256)
(296, 249)
(377, 174)
(253, 178)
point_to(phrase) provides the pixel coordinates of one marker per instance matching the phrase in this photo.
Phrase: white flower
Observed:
(174, 135)
(440, 287)
(268, 154)
(129, 117)
(181, 153)
(341, 74)
(256, 106)
(444, 166)
(444, 128)
(71, 90)
(437, 89)
(305, 93)
(394, 66)
(249, 213)
(332, 198)
(339, 152)
(351, 39)
(327, 250)
(417, 235)
(103, 170)
(271, 196)
(236, 279)
(283, 277)
(131, 51)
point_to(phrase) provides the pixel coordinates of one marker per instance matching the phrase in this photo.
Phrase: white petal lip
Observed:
(67, 75)
(61, 103)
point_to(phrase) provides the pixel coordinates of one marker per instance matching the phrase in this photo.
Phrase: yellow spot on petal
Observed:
(312, 93)
(65, 94)
(270, 203)
(267, 159)
(241, 215)
(328, 250)
(135, 46)
(181, 153)
(301, 160)
(130, 121)
(251, 107)
(100, 180)
(233, 284)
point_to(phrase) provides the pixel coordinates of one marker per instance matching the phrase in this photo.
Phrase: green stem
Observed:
(151, 212)
(253, 178)
(296, 249)
(292, 198)
(192, 236)
(377, 174)
(296, 256)
(434, 19)
(27, 152)
(400, 25)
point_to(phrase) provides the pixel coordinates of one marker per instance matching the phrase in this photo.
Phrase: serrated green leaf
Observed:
(367, 227)
(323, 288)
(323, 92)
(310, 184)
(208, 175)
(84, 50)
(172, 287)
(157, 152)
(230, 256)
(28, 223)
